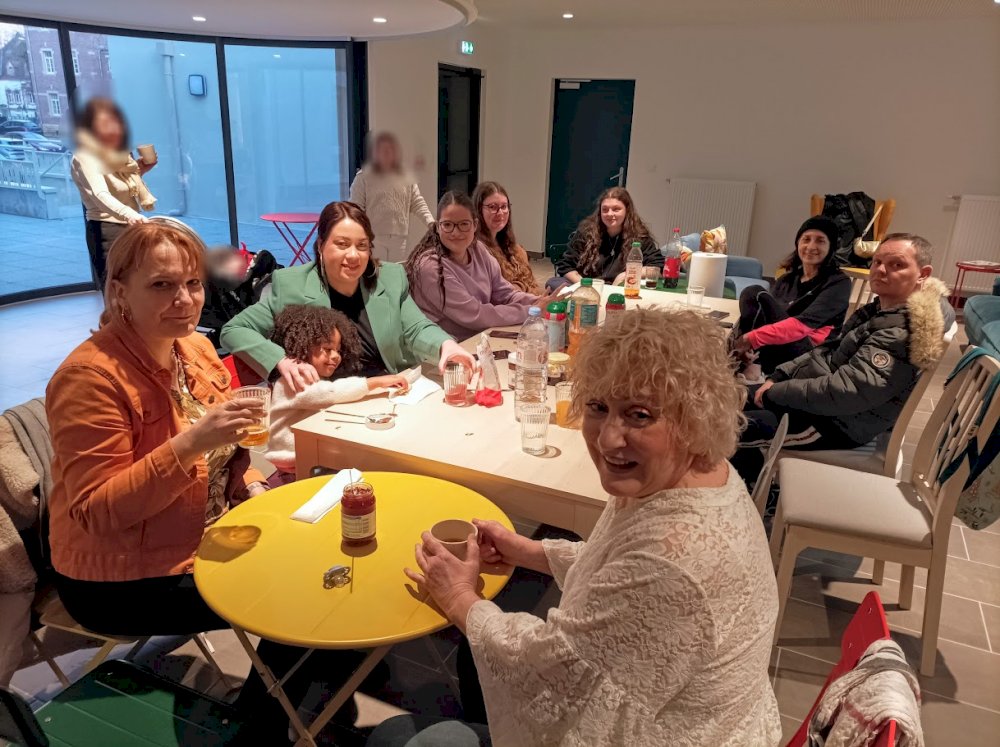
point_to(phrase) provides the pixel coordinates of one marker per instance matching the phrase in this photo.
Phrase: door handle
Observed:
(618, 176)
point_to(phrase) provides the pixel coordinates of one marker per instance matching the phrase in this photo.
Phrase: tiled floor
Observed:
(961, 703)
(44, 253)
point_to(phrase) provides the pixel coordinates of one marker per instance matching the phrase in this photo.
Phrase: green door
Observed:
(591, 129)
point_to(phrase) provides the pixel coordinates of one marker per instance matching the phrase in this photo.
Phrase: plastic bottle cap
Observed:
(558, 359)
(588, 282)
(637, 243)
(553, 308)
(534, 311)
(616, 298)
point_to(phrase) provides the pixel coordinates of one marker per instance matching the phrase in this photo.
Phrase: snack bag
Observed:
(714, 241)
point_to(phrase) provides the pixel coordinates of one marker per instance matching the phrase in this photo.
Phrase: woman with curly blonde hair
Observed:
(663, 632)
(601, 243)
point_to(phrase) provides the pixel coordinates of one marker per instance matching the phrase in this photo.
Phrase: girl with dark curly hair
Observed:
(601, 242)
(325, 339)
(456, 282)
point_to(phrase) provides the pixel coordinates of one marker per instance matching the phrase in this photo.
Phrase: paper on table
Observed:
(326, 497)
(419, 390)
(411, 375)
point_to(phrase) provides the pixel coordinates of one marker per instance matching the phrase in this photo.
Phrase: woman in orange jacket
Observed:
(144, 434)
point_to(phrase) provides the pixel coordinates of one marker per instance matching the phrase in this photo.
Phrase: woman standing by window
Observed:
(496, 232)
(601, 243)
(109, 179)
(388, 195)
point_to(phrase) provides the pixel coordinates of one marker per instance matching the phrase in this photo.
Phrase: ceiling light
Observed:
(567, 16)
(277, 56)
(199, 19)
(380, 19)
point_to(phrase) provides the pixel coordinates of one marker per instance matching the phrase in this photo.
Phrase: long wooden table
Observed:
(475, 446)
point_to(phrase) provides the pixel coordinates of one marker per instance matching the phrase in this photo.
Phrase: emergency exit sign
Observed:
(466, 47)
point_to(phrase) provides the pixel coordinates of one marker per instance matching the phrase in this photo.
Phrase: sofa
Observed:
(982, 320)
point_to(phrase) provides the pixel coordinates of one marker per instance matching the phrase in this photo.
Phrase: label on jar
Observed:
(358, 527)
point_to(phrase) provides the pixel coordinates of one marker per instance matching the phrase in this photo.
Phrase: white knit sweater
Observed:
(288, 408)
(662, 636)
(389, 199)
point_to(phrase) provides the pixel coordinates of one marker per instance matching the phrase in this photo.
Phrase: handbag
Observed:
(866, 249)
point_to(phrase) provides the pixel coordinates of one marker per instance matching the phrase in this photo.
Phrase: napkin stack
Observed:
(326, 497)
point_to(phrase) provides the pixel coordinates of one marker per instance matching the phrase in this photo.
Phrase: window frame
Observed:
(356, 62)
(48, 56)
(54, 98)
(75, 55)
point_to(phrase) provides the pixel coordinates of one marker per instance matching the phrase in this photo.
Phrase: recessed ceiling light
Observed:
(567, 16)
(380, 19)
(199, 19)
(277, 56)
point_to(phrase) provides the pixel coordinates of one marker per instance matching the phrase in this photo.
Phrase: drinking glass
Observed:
(696, 295)
(564, 395)
(256, 434)
(534, 428)
(651, 277)
(456, 383)
(598, 285)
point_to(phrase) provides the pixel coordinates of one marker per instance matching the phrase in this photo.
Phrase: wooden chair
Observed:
(875, 516)
(867, 626)
(881, 227)
(120, 705)
(762, 488)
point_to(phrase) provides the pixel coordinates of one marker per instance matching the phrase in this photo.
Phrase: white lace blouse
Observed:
(662, 637)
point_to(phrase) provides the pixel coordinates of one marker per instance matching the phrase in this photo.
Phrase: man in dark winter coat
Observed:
(845, 392)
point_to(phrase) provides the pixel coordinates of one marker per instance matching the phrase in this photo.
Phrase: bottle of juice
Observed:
(633, 270)
(585, 303)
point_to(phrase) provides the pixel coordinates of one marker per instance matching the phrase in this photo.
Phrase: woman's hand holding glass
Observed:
(220, 426)
(452, 351)
(498, 544)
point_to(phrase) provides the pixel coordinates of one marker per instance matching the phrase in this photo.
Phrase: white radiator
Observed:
(975, 235)
(700, 204)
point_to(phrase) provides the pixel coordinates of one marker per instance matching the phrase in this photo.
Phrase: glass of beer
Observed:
(564, 395)
(256, 434)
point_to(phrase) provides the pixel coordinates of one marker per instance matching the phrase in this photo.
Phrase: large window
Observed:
(41, 222)
(150, 83)
(294, 126)
(289, 129)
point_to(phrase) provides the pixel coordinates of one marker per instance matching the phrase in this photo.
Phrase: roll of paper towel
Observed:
(708, 270)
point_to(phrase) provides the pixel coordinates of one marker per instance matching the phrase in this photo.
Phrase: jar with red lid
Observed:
(357, 513)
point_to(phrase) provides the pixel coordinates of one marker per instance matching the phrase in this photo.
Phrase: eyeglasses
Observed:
(448, 226)
(500, 208)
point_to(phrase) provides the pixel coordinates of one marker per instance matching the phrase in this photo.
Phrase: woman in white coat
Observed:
(389, 195)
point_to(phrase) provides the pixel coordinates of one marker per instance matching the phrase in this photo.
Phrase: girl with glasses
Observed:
(496, 232)
(455, 280)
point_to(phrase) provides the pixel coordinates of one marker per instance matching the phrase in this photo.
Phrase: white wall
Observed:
(909, 110)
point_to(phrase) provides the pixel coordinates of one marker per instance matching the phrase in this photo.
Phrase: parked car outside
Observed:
(41, 143)
(15, 125)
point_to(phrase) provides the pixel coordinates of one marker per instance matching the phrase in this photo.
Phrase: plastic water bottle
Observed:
(633, 270)
(531, 375)
(672, 260)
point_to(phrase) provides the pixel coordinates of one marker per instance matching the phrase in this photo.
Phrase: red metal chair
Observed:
(867, 626)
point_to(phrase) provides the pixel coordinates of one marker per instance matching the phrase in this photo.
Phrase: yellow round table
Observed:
(266, 577)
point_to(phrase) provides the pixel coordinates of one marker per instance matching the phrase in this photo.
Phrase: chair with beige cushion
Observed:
(907, 522)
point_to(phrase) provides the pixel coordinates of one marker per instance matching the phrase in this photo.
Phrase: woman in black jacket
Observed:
(601, 243)
(806, 306)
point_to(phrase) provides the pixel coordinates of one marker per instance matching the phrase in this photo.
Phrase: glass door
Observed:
(289, 127)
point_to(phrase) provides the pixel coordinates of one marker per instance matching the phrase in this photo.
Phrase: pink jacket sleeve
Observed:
(785, 331)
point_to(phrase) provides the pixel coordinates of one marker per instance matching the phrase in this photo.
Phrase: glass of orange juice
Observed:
(564, 394)
(256, 434)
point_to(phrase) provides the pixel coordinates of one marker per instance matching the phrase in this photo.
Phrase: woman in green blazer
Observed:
(394, 333)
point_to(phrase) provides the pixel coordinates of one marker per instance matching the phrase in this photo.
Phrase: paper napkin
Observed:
(326, 497)
(419, 390)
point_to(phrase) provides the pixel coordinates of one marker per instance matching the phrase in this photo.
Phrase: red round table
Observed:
(977, 265)
(281, 221)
